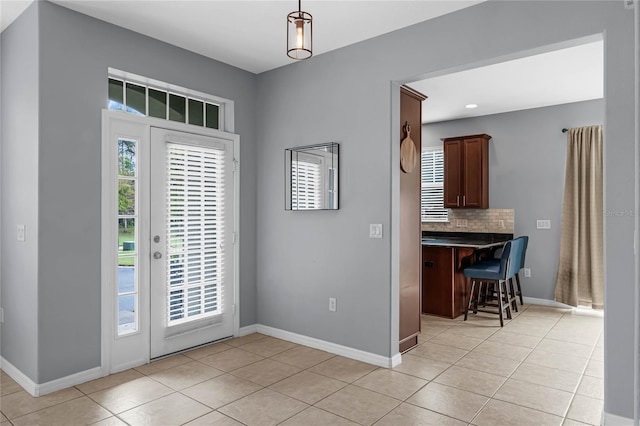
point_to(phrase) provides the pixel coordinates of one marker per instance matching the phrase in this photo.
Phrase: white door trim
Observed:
(108, 219)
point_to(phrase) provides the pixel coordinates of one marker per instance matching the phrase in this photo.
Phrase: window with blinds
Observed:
(195, 227)
(306, 185)
(432, 195)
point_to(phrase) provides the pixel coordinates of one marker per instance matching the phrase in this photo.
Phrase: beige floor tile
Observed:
(214, 418)
(435, 328)
(438, 352)
(569, 422)
(600, 343)
(266, 372)
(20, 403)
(409, 415)
(535, 396)
(583, 338)
(249, 338)
(109, 381)
(537, 321)
(501, 350)
(302, 357)
(8, 385)
(231, 360)
(174, 409)
(499, 413)
(110, 421)
(163, 364)
(391, 383)
(545, 312)
(452, 402)
(308, 387)
(460, 341)
(221, 390)
(551, 377)
(477, 331)
(503, 336)
(131, 394)
(268, 346)
(3, 418)
(77, 411)
(359, 405)
(592, 387)
(207, 350)
(424, 368)
(471, 380)
(527, 329)
(488, 364)
(565, 348)
(586, 410)
(560, 361)
(341, 368)
(186, 375)
(598, 353)
(263, 408)
(313, 416)
(595, 368)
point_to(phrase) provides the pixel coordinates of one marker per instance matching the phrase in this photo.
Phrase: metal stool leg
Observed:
(519, 288)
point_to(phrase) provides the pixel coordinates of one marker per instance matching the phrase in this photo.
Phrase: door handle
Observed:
(157, 255)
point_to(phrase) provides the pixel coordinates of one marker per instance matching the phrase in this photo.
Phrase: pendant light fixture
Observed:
(299, 34)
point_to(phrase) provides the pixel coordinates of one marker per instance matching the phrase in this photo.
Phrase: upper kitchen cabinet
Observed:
(466, 172)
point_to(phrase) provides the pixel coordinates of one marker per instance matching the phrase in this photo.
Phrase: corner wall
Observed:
(20, 50)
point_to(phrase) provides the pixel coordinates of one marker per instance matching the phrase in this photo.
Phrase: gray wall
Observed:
(74, 53)
(348, 96)
(527, 155)
(19, 132)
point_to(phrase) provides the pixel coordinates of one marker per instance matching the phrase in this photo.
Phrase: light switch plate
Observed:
(375, 230)
(543, 224)
(527, 272)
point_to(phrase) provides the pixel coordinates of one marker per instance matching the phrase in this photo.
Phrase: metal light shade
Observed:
(299, 34)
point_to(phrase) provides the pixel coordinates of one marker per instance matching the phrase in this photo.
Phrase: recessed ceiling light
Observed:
(471, 106)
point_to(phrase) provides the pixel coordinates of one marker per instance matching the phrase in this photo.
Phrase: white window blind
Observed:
(306, 185)
(432, 196)
(195, 227)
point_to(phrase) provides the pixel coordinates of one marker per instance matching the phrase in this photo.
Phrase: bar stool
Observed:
(523, 252)
(491, 272)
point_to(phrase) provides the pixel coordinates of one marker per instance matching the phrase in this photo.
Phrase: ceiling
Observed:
(250, 34)
(558, 77)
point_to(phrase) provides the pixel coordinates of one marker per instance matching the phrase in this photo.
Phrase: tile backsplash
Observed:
(477, 220)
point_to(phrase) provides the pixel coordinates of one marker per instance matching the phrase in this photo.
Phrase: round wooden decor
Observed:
(408, 157)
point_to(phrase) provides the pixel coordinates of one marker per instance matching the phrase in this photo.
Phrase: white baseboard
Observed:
(357, 354)
(250, 329)
(577, 311)
(36, 389)
(609, 419)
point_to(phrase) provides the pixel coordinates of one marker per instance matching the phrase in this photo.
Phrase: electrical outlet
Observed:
(21, 233)
(527, 272)
(1, 315)
(501, 224)
(375, 230)
(461, 223)
(332, 304)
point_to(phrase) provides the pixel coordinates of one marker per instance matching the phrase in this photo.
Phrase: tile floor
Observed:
(545, 367)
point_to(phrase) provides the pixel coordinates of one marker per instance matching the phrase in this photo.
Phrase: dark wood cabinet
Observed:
(444, 288)
(410, 243)
(466, 171)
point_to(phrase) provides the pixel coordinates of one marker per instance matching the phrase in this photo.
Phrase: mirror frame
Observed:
(326, 155)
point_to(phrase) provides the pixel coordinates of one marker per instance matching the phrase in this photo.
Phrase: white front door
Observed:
(169, 212)
(192, 238)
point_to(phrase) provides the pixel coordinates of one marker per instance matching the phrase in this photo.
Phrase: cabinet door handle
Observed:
(464, 200)
(457, 200)
(428, 264)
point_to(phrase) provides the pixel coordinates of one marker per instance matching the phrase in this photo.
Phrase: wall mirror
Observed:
(311, 177)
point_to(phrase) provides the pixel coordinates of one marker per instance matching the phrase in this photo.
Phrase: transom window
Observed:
(432, 196)
(152, 98)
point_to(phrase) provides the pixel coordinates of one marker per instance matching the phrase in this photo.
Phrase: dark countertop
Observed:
(475, 240)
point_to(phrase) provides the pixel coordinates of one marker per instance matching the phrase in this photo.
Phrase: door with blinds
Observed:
(192, 238)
